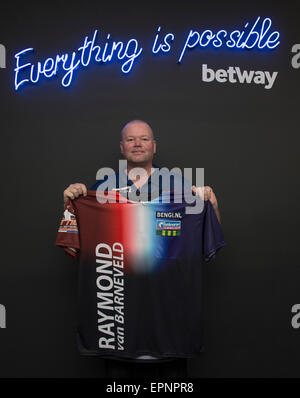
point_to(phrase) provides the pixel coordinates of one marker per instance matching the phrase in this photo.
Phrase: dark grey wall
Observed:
(246, 137)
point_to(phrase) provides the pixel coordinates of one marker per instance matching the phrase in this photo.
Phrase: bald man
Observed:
(138, 147)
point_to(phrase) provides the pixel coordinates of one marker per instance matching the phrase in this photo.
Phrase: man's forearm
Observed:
(217, 211)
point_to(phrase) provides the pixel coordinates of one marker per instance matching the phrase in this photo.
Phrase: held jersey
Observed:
(139, 274)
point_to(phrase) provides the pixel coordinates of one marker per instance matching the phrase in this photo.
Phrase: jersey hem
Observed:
(213, 252)
(158, 357)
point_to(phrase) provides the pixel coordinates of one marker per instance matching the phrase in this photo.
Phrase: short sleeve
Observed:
(68, 234)
(213, 237)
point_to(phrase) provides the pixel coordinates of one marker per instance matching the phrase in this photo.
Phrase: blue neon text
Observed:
(166, 46)
(257, 35)
(68, 63)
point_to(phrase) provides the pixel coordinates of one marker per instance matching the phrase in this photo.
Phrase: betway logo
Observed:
(234, 75)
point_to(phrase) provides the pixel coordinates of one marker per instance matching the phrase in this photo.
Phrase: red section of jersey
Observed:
(68, 234)
(87, 222)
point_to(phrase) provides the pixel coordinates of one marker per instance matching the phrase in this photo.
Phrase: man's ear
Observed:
(121, 147)
(154, 142)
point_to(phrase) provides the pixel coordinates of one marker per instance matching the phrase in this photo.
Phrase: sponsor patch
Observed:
(168, 228)
(68, 223)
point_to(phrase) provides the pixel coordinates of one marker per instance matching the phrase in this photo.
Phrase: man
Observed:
(138, 147)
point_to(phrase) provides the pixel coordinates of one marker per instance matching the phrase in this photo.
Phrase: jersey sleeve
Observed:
(68, 233)
(213, 237)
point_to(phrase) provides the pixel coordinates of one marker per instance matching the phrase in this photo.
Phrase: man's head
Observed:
(137, 143)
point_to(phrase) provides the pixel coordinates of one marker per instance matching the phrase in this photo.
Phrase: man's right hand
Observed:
(74, 190)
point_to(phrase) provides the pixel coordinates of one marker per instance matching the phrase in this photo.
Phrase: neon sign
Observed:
(258, 35)
(68, 63)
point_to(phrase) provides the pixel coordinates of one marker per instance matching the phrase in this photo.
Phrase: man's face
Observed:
(138, 145)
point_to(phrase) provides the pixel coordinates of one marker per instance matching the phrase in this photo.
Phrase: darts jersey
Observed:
(139, 274)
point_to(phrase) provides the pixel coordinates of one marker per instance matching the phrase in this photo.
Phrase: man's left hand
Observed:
(207, 193)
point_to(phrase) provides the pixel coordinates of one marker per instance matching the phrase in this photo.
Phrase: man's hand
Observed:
(73, 191)
(206, 193)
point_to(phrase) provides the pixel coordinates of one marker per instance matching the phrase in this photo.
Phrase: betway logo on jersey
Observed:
(161, 214)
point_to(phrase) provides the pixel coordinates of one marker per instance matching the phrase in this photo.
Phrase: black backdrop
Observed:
(245, 136)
